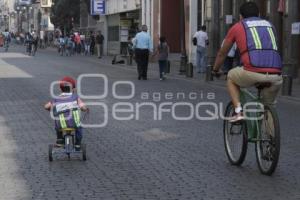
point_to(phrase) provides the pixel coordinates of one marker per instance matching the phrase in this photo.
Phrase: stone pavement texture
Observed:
(137, 159)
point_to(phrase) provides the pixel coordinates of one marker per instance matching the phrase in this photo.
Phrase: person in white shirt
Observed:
(228, 63)
(202, 42)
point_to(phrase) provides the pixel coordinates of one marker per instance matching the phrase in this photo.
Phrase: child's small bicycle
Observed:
(68, 147)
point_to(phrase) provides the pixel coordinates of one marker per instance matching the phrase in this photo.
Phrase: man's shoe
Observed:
(139, 77)
(237, 117)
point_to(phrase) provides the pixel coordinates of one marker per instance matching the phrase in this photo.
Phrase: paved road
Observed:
(136, 159)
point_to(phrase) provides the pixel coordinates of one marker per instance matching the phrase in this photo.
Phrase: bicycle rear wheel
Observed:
(267, 147)
(235, 138)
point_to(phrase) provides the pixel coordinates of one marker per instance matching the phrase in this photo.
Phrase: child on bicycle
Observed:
(65, 109)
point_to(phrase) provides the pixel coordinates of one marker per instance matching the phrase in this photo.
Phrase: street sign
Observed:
(46, 3)
(295, 28)
(97, 7)
(24, 2)
(229, 19)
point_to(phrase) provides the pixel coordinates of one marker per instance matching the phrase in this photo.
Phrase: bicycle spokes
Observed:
(235, 138)
(268, 143)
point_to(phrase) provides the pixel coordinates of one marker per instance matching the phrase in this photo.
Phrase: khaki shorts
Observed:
(245, 79)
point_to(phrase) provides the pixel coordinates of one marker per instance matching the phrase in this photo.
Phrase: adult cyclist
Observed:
(7, 39)
(257, 43)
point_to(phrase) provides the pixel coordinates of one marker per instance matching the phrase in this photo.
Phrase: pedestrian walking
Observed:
(228, 63)
(99, 44)
(62, 45)
(163, 52)
(202, 42)
(69, 45)
(143, 46)
(87, 45)
(93, 43)
(46, 40)
(77, 43)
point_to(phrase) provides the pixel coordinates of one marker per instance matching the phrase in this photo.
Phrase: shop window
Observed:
(113, 33)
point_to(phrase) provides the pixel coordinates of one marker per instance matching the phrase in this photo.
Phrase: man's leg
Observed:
(270, 94)
(237, 78)
(146, 62)
(101, 50)
(204, 60)
(138, 62)
(198, 60)
(234, 92)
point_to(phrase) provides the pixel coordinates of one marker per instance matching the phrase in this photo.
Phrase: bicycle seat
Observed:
(263, 85)
(67, 130)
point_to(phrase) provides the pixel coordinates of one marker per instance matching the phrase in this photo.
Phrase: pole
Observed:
(28, 19)
(183, 59)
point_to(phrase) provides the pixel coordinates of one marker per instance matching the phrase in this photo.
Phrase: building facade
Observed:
(220, 15)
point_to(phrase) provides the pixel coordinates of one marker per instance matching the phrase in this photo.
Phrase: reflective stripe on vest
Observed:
(256, 38)
(272, 36)
(76, 117)
(62, 121)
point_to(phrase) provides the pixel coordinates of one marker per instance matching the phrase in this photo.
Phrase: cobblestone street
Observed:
(137, 159)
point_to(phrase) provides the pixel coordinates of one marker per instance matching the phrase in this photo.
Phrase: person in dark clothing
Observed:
(99, 44)
(163, 52)
(93, 43)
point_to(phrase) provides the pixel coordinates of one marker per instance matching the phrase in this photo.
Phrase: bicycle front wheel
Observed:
(235, 138)
(268, 144)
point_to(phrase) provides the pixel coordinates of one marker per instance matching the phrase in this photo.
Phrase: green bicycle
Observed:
(261, 127)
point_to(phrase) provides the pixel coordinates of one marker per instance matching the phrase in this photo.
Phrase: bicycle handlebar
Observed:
(216, 74)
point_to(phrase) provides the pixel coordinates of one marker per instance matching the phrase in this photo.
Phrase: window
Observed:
(113, 33)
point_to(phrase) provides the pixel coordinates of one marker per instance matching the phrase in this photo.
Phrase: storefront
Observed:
(121, 28)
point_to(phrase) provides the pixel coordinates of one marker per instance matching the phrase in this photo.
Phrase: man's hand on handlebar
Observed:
(216, 73)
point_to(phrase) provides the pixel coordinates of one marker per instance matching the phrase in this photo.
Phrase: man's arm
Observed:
(222, 54)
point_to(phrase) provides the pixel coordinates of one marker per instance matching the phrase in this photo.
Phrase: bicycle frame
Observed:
(253, 125)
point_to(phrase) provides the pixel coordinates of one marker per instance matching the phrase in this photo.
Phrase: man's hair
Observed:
(249, 9)
(203, 28)
(144, 28)
(162, 39)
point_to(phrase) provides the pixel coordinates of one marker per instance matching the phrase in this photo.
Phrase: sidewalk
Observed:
(174, 72)
(175, 66)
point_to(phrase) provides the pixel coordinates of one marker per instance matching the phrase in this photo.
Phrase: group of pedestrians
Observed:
(5, 39)
(142, 45)
(31, 41)
(78, 43)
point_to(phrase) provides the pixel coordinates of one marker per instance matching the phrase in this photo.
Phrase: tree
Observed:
(65, 13)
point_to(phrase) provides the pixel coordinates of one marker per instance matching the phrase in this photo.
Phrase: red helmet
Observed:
(67, 81)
